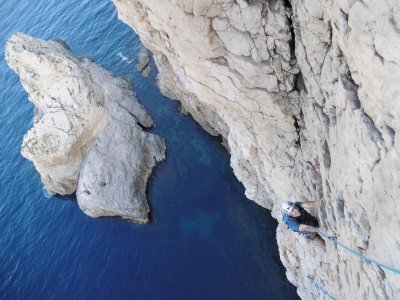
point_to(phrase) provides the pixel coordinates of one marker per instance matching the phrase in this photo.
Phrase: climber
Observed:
(299, 220)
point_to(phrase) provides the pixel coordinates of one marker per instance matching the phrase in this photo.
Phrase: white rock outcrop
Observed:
(86, 132)
(143, 62)
(305, 94)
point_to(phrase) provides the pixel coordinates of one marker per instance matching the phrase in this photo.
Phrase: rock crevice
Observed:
(305, 95)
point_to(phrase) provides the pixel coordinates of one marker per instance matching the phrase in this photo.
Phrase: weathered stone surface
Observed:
(327, 134)
(114, 176)
(350, 132)
(86, 130)
(222, 85)
(143, 59)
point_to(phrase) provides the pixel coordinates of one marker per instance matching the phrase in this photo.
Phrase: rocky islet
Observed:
(87, 135)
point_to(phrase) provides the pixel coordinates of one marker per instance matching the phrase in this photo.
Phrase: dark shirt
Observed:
(304, 219)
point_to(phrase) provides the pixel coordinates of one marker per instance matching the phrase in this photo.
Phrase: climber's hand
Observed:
(323, 230)
(332, 238)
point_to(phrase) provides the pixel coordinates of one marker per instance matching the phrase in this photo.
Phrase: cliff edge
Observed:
(305, 95)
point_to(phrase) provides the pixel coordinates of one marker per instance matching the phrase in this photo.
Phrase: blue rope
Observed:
(325, 292)
(334, 240)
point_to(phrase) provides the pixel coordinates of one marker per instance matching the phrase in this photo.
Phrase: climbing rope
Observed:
(335, 241)
(325, 292)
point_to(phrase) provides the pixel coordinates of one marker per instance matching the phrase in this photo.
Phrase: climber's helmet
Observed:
(287, 206)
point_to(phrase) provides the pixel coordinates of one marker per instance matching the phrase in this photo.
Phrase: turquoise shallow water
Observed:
(205, 241)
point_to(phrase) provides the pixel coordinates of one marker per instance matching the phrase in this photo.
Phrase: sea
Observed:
(205, 239)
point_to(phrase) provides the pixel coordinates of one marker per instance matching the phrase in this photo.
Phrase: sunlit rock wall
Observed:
(305, 95)
(86, 135)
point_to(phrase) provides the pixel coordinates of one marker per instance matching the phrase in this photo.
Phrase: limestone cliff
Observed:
(305, 95)
(86, 134)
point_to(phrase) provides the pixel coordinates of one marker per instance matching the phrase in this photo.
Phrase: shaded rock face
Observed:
(305, 95)
(86, 134)
(233, 76)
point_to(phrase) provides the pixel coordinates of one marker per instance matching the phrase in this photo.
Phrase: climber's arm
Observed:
(307, 228)
(310, 204)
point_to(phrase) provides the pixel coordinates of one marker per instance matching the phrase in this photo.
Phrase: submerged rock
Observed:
(86, 132)
(146, 71)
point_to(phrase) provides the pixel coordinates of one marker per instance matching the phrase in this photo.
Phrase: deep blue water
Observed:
(205, 241)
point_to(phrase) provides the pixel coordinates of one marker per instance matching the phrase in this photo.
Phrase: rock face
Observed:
(237, 88)
(143, 62)
(305, 95)
(86, 133)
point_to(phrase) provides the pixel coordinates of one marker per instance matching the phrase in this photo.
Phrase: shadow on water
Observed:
(205, 241)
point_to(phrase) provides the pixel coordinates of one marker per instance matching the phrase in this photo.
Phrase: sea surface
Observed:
(205, 241)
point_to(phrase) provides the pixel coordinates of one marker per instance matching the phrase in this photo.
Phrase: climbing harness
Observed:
(335, 241)
(325, 292)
